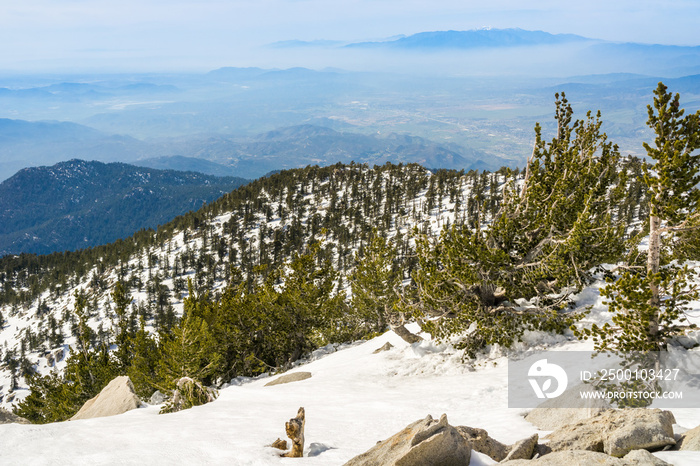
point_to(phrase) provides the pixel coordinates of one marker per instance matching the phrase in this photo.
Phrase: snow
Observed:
(353, 399)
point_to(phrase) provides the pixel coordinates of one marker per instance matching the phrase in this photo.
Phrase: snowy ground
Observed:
(353, 399)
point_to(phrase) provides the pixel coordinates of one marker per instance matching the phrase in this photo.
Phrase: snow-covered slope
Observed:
(353, 399)
(208, 250)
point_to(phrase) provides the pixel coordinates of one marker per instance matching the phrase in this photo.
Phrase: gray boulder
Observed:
(158, 398)
(424, 442)
(287, 378)
(616, 432)
(8, 417)
(566, 409)
(116, 398)
(590, 458)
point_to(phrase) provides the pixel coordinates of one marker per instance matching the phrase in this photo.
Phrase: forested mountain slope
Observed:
(248, 235)
(79, 204)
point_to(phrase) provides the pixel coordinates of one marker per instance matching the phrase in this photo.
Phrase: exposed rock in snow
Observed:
(387, 346)
(524, 449)
(617, 432)
(7, 417)
(479, 440)
(158, 398)
(588, 458)
(423, 442)
(287, 378)
(568, 408)
(689, 441)
(116, 398)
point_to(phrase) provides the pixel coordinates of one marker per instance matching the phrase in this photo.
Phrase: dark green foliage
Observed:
(51, 400)
(189, 351)
(79, 204)
(541, 246)
(673, 178)
(375, 284)
(274, 321)
(649, 302)
(629, 299)
(144, 363)
(123, 333)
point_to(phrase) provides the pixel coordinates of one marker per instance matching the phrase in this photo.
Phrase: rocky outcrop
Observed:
(424, 442)
(287, 378)
(116, 398)
(566, 409)
(590, 458)
(7, 417)
(616, 432)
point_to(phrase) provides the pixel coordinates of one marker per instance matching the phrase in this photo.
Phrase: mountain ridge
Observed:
(474, 38)
(76, 204)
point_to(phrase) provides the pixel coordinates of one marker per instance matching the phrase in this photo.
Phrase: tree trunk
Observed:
(653, 261)
(295, 431)
(405, 334)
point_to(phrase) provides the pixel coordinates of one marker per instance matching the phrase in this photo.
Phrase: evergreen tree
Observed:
(190, 350)
(144, 365)
(649, 303)
(541, 246)
(375, 284)
(122, 326)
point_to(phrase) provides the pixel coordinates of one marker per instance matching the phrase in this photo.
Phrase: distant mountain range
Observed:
(77, 204)
(477, 38)
(46, 143)
(302, 145)
(187, 164)
(594, 53)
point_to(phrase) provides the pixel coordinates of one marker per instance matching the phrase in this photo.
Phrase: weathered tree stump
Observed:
(295, 431)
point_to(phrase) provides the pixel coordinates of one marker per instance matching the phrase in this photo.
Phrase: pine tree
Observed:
(122, 327)
(375, 284)
(649, 302)
(547, 236)
(190, 350)
(143, 368)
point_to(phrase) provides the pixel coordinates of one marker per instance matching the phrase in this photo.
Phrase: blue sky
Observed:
(158, 35)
